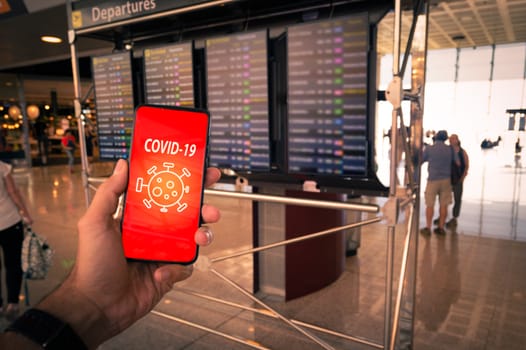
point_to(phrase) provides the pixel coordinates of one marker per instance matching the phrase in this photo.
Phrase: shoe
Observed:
(451, 223)
(439, 231)
(435, 222)
(11, 312)
(350, 252)
(425, 231)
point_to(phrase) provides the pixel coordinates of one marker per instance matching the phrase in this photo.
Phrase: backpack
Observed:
(37, 256)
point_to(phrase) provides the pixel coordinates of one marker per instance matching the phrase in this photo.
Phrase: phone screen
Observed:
(165, 185)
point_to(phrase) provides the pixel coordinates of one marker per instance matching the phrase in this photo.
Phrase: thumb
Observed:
(168, 275)
(107, 196)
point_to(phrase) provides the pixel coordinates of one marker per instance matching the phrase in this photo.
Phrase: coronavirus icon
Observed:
(165, 188)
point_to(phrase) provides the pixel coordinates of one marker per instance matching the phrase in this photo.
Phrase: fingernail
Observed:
(118, 167)
(209, 235)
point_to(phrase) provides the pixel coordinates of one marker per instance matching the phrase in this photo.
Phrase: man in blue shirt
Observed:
(439, 157)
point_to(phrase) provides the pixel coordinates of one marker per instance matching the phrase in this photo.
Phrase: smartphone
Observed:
(167, 164)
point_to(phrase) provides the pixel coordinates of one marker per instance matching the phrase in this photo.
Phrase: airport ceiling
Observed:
(44, 67)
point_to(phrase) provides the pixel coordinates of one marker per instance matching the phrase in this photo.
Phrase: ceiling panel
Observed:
(465, 23)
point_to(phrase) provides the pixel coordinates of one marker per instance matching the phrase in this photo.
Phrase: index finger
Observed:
(212, 176)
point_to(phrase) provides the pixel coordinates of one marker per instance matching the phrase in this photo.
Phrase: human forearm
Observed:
(105, 293)
(68, 318)
(15, 341)
(20, 204)
(83, 316)
(16, 197)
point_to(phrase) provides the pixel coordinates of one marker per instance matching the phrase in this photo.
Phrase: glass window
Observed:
(471, 111)
(509, 61)
(439, 105)
(505, 94)
(475, 64)
(441, 65)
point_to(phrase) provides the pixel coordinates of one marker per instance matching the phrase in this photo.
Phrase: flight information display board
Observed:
(237, 85)
(168, 74)
(327, 97)
(112, 76)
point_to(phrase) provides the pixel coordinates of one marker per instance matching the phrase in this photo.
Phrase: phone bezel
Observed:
(205, 166)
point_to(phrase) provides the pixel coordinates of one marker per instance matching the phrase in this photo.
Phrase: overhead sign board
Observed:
(92, 13)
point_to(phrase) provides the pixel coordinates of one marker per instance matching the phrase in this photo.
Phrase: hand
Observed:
(27, 219)
(112, 292)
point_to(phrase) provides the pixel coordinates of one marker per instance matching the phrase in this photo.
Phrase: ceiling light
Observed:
(51, 39)
(458, 37)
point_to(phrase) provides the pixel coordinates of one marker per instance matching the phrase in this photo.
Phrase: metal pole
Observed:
(393, 177)
(261, 312)
(25, 119)
(419, 54)
(396, 39)
(369, 208)
(297, 239)
(405, 312)
(401, 281)
(273, 311)
(388, 285)
(76, 103)
(394, 153)
(236, 339)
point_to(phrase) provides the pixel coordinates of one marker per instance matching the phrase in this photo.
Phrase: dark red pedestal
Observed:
(315, 263)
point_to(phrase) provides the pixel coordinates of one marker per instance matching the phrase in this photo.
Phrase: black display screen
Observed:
(237, 85)
(112, 76)
(327, 97)
(168, 75)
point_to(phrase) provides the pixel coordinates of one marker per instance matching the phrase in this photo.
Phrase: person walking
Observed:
(90, 138)
(439, 157)
(41, 133)
(458, 187)
(13, 213)
(68, 143)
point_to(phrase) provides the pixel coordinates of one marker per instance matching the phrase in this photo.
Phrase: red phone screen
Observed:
(165, 184)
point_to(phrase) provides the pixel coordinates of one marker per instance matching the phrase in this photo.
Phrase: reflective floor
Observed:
(471, 286)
